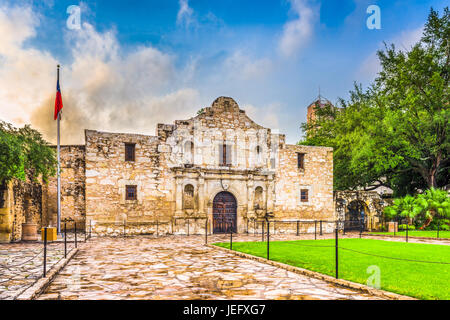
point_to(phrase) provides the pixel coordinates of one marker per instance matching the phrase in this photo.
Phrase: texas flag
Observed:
(58, 100)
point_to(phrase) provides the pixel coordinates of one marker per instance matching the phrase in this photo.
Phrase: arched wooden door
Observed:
(224, 213)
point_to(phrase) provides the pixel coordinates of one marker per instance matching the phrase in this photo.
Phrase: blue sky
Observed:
(135, 63)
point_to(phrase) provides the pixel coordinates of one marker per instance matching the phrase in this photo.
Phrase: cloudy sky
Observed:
(133, 64)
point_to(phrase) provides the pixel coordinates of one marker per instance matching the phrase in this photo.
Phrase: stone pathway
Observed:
(179, 267)
(21, 265)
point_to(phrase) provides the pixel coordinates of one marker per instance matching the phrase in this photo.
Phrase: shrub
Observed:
(404, 226)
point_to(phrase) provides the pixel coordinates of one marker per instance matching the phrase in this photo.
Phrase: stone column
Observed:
(178, 196)
(250, 197)
(201, 196)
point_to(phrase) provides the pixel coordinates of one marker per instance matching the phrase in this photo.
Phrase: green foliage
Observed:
(394, 133)
(434, 202)
(200, 111)
(406, 226)
(23, 152)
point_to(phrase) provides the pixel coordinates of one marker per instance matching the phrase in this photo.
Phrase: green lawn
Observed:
(418, 233)
(416, 279)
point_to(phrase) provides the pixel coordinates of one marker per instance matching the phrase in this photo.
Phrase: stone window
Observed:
(304, 195)
(301, 160)
(258, 155)
(272, 163)
(3, 195)
(225, 155)
(189, 152)
(189, 196)
(131, 193)
(130, 151)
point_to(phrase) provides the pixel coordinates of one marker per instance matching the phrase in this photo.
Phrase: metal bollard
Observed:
(320, 227)
(315, 229)
(206, 231)
(45, 251)
(188, 226)
(231, 239)
(262, 231)
(157, 228)
(65, 239)
(297, 228)
(90, 229)
(75, 234)
(337, 253)
(268, 240)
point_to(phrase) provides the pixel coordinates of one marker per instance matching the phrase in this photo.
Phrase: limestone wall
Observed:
(73, 205)
(316, 177)
(108, 174)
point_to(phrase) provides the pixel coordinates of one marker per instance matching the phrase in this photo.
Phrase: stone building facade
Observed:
(219, 170)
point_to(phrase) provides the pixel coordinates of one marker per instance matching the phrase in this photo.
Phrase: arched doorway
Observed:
(355, 216)
(224, 212)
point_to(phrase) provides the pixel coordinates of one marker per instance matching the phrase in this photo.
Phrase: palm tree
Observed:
(433, 202)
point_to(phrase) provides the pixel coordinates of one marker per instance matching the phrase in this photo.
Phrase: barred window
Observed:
(304, 195)
(301, 160)
(225, 155)
(130, 151)
(131, 193)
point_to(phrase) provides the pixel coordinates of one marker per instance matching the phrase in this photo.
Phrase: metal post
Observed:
(90, 229)
(188, 225)
(320, 227)
(254, 227)
(315, 229)
(206, 231)
(247, 226)
(360, 228)
(45, 251)
(75, 234)
(231, 237)
(439, 222)
(262, 231)
(407, 227)
(85, 232)
(337, 253)
(65, 239)
(297, 228)
(268, 239)
(157, 228)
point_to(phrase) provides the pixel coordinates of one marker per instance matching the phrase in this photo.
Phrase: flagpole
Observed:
(59, 174)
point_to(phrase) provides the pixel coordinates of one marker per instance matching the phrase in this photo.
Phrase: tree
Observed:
(395, 132)
(24, 153)
(433, 202)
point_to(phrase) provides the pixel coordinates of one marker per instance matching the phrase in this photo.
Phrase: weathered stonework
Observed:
(178, 173)
(21, 201)
(73, 204)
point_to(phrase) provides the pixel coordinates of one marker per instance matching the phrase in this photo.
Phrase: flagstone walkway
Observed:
(21, 265)
(179, 267)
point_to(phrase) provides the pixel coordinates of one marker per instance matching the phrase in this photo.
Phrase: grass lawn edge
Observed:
(339, 282)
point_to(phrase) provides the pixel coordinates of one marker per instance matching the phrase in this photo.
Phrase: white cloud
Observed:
(185, 15)
(241, 66)
(296, 33)
(102, 88)
(266, 116)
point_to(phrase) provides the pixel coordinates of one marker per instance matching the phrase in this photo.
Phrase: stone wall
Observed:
(22, 202)
(108, 174)
(316, 177)
(73, 201)
(185, 156)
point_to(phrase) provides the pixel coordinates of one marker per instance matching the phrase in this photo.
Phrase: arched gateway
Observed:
(224, 212)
